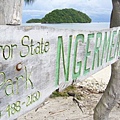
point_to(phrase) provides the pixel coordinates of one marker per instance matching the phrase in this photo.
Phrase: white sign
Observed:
(36, 60)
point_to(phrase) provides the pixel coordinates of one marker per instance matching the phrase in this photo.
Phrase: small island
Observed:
(63, 16)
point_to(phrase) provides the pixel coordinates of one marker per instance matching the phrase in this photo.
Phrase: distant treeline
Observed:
(63, 16)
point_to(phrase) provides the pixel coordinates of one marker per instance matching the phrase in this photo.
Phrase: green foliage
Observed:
(63, 93)
(29, 1)
(33, 21)
(65, 16)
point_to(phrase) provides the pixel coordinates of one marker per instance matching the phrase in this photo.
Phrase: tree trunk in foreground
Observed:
(112, 93)
(10, 12)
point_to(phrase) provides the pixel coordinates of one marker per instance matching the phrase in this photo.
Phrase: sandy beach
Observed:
(65, 108)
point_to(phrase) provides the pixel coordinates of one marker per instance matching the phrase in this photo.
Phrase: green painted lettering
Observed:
(27, 46)
(106, 46)
(3, 83)
(12, 49)
(87, 53)
(9, 87)
(75, 74)
(96, 57)
(28, 80)
(31, 46)
(17, 79)
(60, 49)
(37, 49)
(6, 52)
(117, 46)
(112, 45)
(42, 46)
(46, 48)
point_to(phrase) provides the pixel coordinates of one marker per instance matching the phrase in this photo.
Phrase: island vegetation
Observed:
(63, 16)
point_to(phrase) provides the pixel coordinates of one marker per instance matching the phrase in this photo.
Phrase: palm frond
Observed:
(29, 1)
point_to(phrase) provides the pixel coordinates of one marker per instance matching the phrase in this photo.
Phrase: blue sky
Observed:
(98, 10)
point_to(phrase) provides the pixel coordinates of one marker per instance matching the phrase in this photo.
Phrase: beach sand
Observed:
(64, 108)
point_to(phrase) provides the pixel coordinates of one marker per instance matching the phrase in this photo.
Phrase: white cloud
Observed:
(34, 11)
(90, 7)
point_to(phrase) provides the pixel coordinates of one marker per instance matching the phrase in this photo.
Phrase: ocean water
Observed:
(80, 26)
(77, 26)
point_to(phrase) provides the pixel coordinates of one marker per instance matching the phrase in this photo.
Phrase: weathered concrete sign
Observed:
(35, 61)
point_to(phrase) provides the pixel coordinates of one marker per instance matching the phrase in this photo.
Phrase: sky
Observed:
(97, 10)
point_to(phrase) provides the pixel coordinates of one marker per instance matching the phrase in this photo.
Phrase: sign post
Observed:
(111, 95)
(10, 12)
(37, 60)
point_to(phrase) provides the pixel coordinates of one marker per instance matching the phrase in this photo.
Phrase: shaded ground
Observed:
(79, 107)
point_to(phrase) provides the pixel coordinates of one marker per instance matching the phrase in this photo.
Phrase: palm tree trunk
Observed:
(10, 12)
(112, 92)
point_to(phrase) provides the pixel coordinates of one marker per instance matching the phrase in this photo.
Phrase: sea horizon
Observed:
(75, 26)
